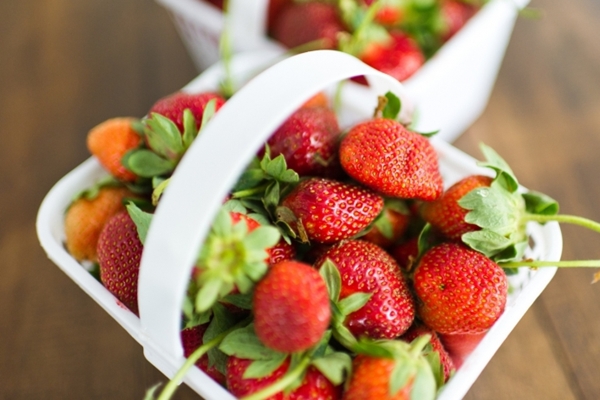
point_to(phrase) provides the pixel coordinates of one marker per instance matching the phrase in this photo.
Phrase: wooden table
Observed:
(68, 65)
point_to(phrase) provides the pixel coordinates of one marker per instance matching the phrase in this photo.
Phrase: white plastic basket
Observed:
(211, 165)
(450, 91)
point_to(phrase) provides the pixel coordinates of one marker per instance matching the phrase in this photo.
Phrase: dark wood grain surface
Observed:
(66, 65)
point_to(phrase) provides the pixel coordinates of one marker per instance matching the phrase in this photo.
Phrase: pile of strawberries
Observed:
(338, 266)
(393, 36)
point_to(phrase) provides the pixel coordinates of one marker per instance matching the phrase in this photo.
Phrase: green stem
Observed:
(568, 219)
(559, 264)
(281, 384)
(250, 192)
(173, 384)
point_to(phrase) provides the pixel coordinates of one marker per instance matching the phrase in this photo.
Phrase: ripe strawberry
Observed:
(301, 23)
(367, 268)
(291, 307)
(385, 156)
(329, 211)
(109, 141)
(119, 255)
(191, 339)
(318, 100)
(86, 217)
(308, 140)
(399, 56)
(446, 215)
(313, 386)
(173, 105)
(446, 361)
(460, 290)
(390, 12)
(406, 253)
(459, 346)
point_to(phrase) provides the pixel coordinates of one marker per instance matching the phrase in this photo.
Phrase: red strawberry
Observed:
(446, 215)
(385, 156)
(301, 23)
(119, 255)
(173, 105)
(366, 267)
(399, 57)
(109, 141)
(388, 14)
(330, 211)
(86, 217)
(460, 290)
(459, 346)
(308, 140)
(291, 307)
(314, 385)
(191, 339)
(445, 359)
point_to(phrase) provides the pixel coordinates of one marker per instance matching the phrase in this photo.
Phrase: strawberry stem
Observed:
(289, 378)
(258, 190)
(569, 219)
(559, 264)
(173, 384)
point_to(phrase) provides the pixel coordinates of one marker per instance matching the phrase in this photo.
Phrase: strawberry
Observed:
(318, 100)
(302, 23)
(390, 12)
(459, 346)
(314, 385)
(173, 105)
(329, 211)
(459, 290)
(191, 339)
(109, 141)
(86, 217)
(399, 56)
(406, 253)
(291, 307)
(385, 156)
(308, 140)
(390, 225)
(370, 380)
(445, 359)
(446, 215)
(366, 268)
(119, 255)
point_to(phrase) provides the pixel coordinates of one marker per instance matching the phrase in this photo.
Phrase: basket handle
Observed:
(210, 168)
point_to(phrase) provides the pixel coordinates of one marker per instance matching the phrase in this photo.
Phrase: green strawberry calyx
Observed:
(503, 210)
(412, 361)
(231, 256)
(341, 308)
(244, 343)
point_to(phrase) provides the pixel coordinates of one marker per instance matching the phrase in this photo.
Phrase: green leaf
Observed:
(276, 167)
(333, 279)
(244, 343)
(372, 348)
(400, 376)
(255, 270)
(262, 368)
(241, 300)
(141, 219)
(146, 163)
(159, 190)
(424, 385)
(272, 196)
(190, 128)
(539, 203)
(335, 366)
(249, 179)
(234, 206)
(222, 224)
(164, 136)
(209, 111)
(208, 294)
(151, 393)
(504, 174)
(353, 302)
(344, 336)
(262, 238)
(486, 241)
(222, 320)
(393, 106)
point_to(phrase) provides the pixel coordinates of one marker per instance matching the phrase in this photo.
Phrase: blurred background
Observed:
(67, 65)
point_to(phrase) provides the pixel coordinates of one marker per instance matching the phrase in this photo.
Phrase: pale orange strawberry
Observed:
(109, 141)
(86, 217)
